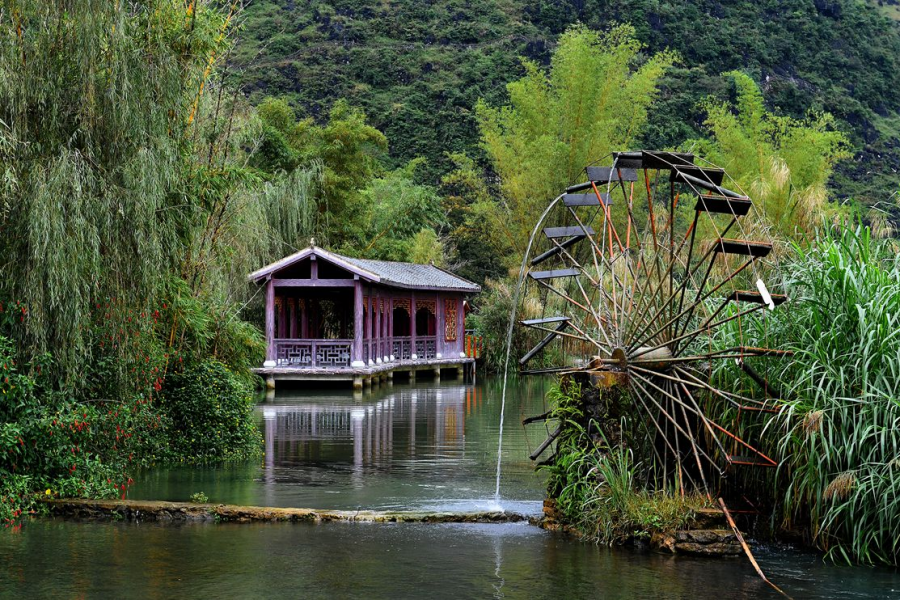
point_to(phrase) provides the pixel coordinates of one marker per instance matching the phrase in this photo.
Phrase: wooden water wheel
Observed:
(646, 275)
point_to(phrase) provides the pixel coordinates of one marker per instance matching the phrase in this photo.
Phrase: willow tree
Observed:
(783, 163)
(593, 100)
(122, 180)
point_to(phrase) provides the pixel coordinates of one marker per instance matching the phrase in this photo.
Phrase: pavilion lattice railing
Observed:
(313, 353)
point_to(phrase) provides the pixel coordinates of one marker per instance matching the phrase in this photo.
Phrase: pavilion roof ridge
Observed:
(392, 273)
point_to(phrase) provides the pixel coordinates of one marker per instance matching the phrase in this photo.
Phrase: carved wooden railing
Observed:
(313, 353)
(426, 346)
(402, 347)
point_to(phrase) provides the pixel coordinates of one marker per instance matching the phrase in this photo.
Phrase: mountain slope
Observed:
(417, 67)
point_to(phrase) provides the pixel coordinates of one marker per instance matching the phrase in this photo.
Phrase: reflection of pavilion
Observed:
(392, 428)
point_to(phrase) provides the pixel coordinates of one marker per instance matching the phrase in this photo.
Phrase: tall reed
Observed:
(838, 430)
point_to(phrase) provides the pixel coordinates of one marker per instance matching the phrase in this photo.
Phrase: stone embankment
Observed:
(139, 510)
(706, 535)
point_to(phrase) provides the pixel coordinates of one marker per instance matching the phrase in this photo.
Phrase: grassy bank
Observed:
(599, 487)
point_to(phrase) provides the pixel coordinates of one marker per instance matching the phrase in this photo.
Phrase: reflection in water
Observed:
(417, 446)
(413, 446)
(55, 559)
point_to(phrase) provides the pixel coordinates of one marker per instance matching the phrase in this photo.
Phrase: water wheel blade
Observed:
(553, 274)
(755, 297)
(644, 159)
(608, 174)
(586, 199)
(751, 461)
(561, 232)
(557, 249)
(743, 248)
(543, 343)
(724, 205)
(544, 321)
(537, 418)
(546, 443)
(696, 182)
(713, 175)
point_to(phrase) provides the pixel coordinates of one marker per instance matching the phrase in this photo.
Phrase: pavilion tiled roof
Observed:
(412, 275)
(397, 274)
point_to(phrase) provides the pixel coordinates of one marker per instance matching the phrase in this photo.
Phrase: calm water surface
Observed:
(426, 445)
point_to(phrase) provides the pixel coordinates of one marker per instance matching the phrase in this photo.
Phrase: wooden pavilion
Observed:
(335, 317)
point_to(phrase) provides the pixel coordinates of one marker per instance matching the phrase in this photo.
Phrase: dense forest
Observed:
(418, 68)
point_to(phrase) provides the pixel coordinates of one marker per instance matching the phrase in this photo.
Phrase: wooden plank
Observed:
(561, 232)
(712, 175)
(543, 343)
(544, 321)
(586, 199)
(608, 174)
(557, 249)
(540, 275)
(645, 159)
(724, 205)
(743, 248)
(755, 297)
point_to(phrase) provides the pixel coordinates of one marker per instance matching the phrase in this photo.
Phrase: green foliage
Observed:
(199, 498)
(597, 486)
(593, 100)
(836, 432)
(52, 446)
(784, 164)
(212, 409)
(417, 69)
(392, 211)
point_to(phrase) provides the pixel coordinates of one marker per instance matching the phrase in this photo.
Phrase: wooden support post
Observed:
(437, 373)
(270, 324)
(292, 317)
(370, 310)
(391, 329)
(460, 372)
(460, 327)
(377, 311)
(357, 383)
(304, 319)
(270, 382)
(412, 375)
(412, 326)
(282, 319)
(357, 324)
(439, 326)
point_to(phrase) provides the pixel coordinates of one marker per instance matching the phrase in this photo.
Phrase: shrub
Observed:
(210, 411)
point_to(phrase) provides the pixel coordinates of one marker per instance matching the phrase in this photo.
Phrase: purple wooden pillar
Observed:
(282, 319)
(439, 326)
(460, 326)
(270, 323)
(412, 326)
(292, 317)
(378, 352)
(357, 324)
(304, 320)
(390, 326)
(370, 305)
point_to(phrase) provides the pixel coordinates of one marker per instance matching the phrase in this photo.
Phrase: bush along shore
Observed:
(54, 445)
(837, 486)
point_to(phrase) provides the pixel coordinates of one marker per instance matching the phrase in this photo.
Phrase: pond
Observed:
(409, 446)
